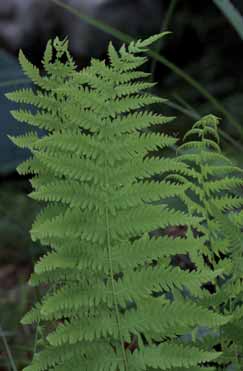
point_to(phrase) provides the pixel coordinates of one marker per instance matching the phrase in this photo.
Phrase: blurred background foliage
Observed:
(198, 69)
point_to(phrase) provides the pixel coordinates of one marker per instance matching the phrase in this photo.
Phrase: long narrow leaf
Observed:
(8, 351)
(232, 14)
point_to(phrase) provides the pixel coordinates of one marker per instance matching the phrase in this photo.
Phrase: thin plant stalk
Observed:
(13, 82)
(164, 26)
(8, 351)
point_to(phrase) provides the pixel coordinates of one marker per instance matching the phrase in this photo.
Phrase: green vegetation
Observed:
(102, 268)
(211, 234)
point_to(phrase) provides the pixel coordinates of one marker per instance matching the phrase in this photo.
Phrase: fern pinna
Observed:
(213, 190)
(92, 171)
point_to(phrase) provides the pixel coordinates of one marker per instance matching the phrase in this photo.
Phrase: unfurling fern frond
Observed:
(90, 170)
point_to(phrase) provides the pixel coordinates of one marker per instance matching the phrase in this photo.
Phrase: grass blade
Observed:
(232, 14)
(164, 26)
(13, 82)
(8, 351)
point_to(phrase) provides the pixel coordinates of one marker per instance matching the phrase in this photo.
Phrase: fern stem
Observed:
(112, 273)
(204, 180)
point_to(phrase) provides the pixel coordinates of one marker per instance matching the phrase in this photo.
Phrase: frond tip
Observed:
(139, 46)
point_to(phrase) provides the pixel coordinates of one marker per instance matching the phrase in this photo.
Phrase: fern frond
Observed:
(97, 219)
(213, 196)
